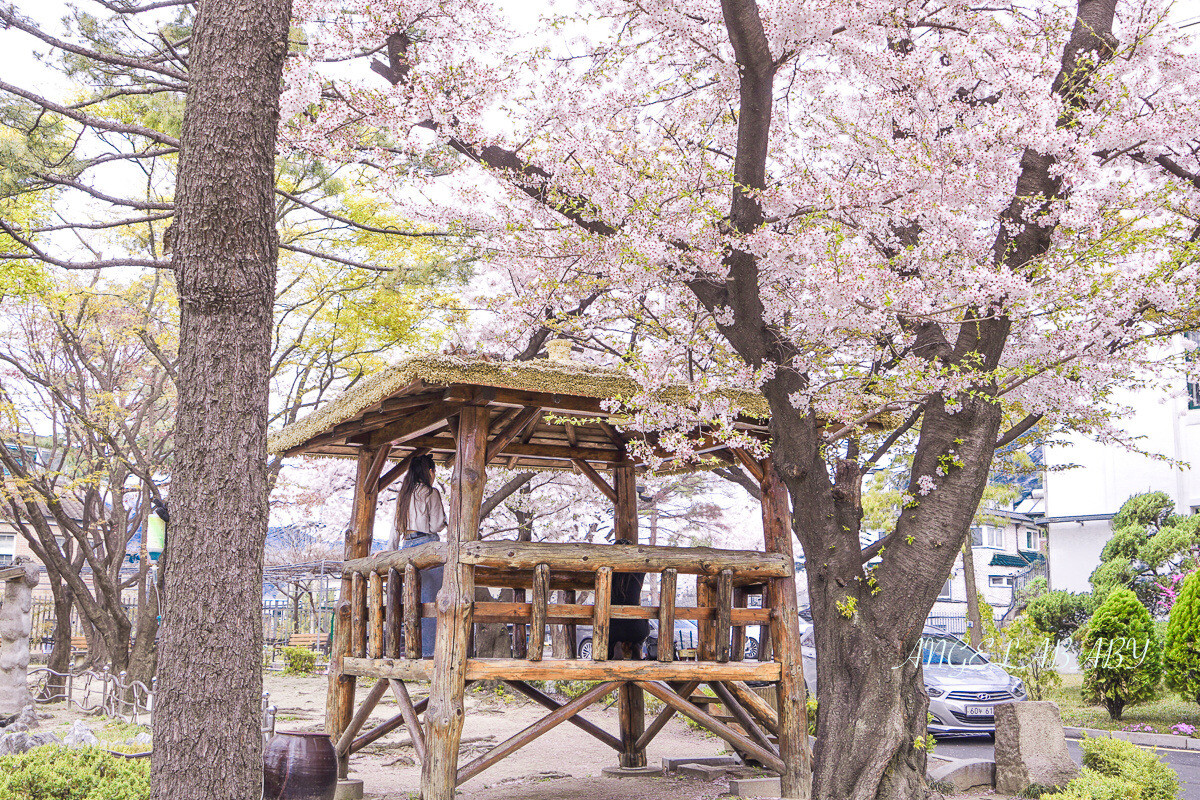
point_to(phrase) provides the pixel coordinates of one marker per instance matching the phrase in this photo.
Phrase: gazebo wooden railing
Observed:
(476, 413)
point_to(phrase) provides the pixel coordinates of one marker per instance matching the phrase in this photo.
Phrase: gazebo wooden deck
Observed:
(472, 413)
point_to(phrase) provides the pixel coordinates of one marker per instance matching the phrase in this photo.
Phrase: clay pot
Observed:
(299, 766)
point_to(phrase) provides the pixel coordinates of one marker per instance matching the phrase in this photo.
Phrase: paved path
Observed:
(1184, 762)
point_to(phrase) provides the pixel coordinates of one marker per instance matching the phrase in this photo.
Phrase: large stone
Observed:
(1031, 749)
(16, 603)
(80, 735)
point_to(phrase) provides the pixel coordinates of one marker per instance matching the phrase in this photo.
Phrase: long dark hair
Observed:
(420, 471)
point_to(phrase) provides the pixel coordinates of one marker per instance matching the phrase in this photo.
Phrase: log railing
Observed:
(385, 592)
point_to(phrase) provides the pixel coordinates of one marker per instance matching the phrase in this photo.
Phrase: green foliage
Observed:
(1116, 758)
(1142, 510)
(1027, 653)
(54, 772)
(1059, 614)
(1181, 655)
(812, 715)
(299, 661)
(1121, 654)
(1148, 546)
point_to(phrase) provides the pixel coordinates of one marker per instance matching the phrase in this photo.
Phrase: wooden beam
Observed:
(631, 714)
(445, 444)
(339, 700)
(724, 607)
(601, 614)
(519, 669)
(748, 723)
(752, 464)
(579, 722)
(763, 711)
(399, 469)
(559, 613)
(554, 403)
(596, 478)
(524, 418)
(419, 423)
(360, 716)
(740, 742)
(375, 614)
(665, 715)
(635, 558)
(444, 719)
(428, 555)
(412, 611)
(666, 615)
(796, 776)
(537, 622)
(546, 723)
(383, 729)
(625, 518)
(394, 617)
(409, 712)
(358, 616)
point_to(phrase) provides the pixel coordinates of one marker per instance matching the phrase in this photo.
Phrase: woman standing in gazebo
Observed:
(419, 516)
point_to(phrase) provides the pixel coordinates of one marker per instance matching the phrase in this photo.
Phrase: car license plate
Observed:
(981, 711)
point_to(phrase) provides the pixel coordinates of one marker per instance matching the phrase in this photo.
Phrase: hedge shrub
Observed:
(299, 661)
(1121, 654)
(1181, 656)
(55, 772)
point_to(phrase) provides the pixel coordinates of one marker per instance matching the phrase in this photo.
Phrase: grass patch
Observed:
(1156, 716)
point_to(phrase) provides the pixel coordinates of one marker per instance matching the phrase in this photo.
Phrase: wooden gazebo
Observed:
(472, 413)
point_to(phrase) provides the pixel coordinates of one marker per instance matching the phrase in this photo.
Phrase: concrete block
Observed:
(755, 787)
(965, 774)
(1097, 733)
(1120, 735)
(1158, 740)
(703, 772)
(1030, 747)
(1073, 733)
(631, 772)
(672, 764)
(1192, 744)
(348, 789)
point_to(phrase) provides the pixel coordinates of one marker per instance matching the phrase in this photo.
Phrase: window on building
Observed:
(945, 593)
(1033, 540)
(1000, 581)
(987, 536)
(8, 548)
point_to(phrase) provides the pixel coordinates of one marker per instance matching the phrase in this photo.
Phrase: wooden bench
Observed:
(310, 640)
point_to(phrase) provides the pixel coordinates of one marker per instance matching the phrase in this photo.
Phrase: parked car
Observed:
(687, 634)
(964, 688)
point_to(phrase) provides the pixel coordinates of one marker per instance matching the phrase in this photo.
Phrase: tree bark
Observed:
(968, 558)
(206, 724)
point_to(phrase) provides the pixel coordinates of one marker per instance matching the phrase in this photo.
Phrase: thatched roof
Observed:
(410, 402)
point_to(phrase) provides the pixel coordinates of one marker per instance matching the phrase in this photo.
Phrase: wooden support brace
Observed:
(375, 614)
(541, 598)
(596, 478)
(412, 611)
(748, 723)
(740, 742)
(340, 699)
(666, 615)
(601, 615)
(553, 705)
(379, 731)
(664, 716)
(360, 716)
(409, 713)
(631, 710)
(392, 618)
(724, 606)
(756, 705)
(546, 723)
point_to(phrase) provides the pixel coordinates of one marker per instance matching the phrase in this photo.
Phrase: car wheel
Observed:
(751, 648)
(585, 649)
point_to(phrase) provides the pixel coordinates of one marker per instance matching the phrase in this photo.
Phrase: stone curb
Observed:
(966, 773)
(1148, 739)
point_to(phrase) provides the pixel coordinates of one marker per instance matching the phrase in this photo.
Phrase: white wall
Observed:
(1075, 551)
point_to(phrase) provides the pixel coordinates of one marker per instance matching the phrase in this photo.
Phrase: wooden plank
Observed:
(541, 599)
(666, 615)
(430, 554)
(602, 455)
(519, 669)
(375, 614)
(542, 726)
(360, 716)
(358, 619)
(724, 606)
(601, 614)
(796, 776)
(409, 712)
(665, 715)
(444, 719)
(394, 615)
(523, 419)
(752, 464)
(495, 611)
(579, 722)
(412, 611)
(596, 478)
(580, 556)
(625, 519)
(740, 742)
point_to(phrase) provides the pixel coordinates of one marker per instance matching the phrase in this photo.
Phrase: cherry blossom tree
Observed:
(888, 216)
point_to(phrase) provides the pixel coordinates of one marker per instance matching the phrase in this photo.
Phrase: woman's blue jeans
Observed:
(431, 582)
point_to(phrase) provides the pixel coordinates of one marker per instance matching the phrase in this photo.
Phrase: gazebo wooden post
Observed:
(340, 699)
(631, 699)
(444, 716)
(796, 778)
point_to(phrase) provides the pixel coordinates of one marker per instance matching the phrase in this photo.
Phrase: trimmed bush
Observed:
(1121, 759)
(299, 661)
(1181, 656)
(54, 772)
(1059, 614)
(1121, 654)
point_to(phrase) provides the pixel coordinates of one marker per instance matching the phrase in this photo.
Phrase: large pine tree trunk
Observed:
(206, 720)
